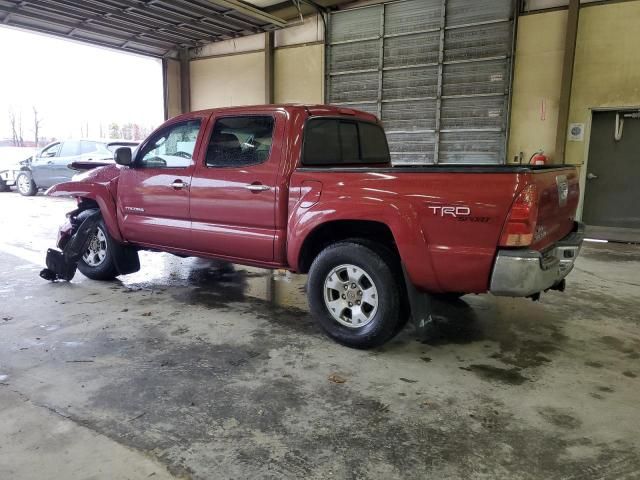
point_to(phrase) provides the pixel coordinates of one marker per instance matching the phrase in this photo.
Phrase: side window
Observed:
(70, 148)
(373, 143)
(50, 151)
(332, 141)
(171, 148)
(87, 146)
(240, 141)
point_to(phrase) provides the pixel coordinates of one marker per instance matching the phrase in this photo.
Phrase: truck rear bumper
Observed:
(522, 273)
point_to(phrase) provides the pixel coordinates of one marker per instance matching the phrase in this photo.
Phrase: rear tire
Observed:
(25, 184)
(4, 187)
(355, 294)
(97, 262)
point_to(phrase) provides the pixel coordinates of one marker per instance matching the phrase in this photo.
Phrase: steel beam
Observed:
(205, 16)
(269, 83)
(567, 78)
(250, 12)
(436, 140)
(185, 80)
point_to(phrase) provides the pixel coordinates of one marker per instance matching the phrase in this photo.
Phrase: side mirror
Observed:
(123, 156)
(49, 154)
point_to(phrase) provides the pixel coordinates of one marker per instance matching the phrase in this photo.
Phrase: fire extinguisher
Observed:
(539, 158)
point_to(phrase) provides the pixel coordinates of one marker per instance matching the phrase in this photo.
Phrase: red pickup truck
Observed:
(311, 189)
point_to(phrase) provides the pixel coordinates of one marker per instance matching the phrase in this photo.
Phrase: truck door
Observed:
(153, 194)
(233, 191)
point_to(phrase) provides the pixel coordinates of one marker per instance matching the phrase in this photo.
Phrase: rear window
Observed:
(333, 141)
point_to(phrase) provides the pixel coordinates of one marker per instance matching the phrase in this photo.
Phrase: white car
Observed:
(12, 160)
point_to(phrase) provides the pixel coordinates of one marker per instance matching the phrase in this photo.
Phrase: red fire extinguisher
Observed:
(539, 158)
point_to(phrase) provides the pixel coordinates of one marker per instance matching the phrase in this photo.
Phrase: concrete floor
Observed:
(195, 369)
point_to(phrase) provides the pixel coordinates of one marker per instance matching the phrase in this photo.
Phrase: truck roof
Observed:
(313, 109)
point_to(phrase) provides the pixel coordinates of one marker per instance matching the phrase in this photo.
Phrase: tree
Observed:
(36, 126)
(127, 131)
(16, 128)
(20, 134)
(114, 130)
(84, 129)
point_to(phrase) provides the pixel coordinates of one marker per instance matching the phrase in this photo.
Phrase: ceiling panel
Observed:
(149, 27)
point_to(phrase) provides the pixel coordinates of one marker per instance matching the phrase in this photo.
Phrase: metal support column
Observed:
(269, 86)
(165, 88)
(381, 61)
(185, 81)
(443, 24)
(567, 78)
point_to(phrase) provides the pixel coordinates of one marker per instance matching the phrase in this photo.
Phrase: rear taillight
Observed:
(521, 221)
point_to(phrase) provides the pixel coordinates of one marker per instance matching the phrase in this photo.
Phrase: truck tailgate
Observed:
(558, 192)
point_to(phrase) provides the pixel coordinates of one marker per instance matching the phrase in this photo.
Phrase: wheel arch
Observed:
(92, 195)
(335, 231)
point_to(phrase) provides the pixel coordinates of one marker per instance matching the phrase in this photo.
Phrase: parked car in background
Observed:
(11, 159)
(51, 165)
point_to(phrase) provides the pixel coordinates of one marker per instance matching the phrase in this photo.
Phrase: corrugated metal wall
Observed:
(437, 72)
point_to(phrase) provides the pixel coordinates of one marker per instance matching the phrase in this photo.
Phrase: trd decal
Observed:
(462, 214)
(451, 211)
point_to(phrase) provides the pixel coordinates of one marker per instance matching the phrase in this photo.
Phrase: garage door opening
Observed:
(60, 89)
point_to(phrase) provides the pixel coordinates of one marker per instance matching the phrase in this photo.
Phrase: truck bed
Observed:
(453, 215)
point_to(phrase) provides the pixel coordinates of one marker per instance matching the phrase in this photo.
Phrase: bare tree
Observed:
(20, 134)
(16, 128)
(84, 129)
(14, 133)
(36, 126)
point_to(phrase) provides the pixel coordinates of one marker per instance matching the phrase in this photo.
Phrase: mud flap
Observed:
(426, 309)
(61, 265)
(126, 259)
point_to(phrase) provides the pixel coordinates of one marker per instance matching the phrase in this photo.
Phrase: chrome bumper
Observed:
(522, 273)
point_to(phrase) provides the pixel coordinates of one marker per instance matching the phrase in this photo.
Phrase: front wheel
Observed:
(26, 185)
(97, 261)
(355, 295)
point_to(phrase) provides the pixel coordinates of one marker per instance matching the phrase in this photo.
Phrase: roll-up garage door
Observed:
(437, 72)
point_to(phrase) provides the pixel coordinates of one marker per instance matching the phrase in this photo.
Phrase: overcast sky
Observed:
(70, 83)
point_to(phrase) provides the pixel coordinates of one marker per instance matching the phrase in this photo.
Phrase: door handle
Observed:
(178, 185)
(50, 162)
(257, 187)
(591, 176)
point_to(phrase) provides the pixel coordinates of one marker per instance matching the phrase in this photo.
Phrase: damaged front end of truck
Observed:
(95, 192)
(73, 240)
